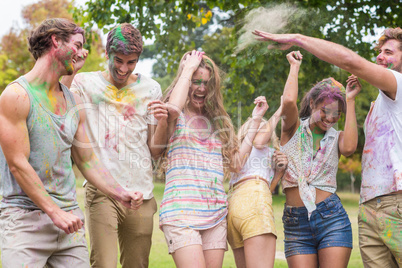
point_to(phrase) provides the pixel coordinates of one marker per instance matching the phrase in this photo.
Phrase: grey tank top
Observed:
(51, 137)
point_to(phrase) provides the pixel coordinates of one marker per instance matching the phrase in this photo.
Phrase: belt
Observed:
(253, 177)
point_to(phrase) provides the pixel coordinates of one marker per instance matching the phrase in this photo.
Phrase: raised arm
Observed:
(14, 141)
(265, 132)
(337, 55)
(260, 108)
(290, 115)
(348, 138)
(94, 171)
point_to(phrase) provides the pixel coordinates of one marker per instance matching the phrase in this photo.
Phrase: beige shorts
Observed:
(179, 237)
(250, 212)
(380, 235)
(30, 239)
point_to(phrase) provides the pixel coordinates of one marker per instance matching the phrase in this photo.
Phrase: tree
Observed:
(352, 166)
(173, 25)
(15, 59)
(252, 72)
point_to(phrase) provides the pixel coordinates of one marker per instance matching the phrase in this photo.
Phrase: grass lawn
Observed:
(159, 254)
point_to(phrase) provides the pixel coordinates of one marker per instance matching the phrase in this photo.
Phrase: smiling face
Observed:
(198, 90)
(121, 67)
(390, 55)
(68, 52)
(325, 115)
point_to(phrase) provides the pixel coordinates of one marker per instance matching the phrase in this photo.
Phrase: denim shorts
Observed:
(329, 226)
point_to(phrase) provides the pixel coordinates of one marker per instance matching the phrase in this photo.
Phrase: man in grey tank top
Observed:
(41, 128)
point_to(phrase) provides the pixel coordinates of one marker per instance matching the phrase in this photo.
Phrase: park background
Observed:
(171, 28)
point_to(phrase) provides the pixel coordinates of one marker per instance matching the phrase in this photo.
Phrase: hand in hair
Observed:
(192, 60)
(353, 87)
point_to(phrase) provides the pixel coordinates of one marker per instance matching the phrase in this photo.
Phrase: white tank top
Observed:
(259, 163)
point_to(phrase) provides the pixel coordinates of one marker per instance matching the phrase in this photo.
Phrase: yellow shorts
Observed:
(250, 212)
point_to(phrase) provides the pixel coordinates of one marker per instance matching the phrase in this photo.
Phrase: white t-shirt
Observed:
(382, 154)
(117, 123)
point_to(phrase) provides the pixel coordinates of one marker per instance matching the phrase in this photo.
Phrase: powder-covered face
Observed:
(325, 114)
(121, 67)
(68, 52)
(198, 90)
(390, 56)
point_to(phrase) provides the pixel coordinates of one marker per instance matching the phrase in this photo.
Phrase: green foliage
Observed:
(15, 58)
(212, 26)
(7, 75)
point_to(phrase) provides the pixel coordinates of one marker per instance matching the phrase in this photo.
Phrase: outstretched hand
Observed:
(261, 106)
(353, 87)
(284, 41)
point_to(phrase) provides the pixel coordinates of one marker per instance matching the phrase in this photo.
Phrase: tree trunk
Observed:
(352, 183)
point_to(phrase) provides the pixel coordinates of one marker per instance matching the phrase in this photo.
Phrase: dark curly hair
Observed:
(40, 39)
(125, 39)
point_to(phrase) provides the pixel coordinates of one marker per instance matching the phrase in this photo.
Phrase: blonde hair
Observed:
(214, 111)
(390, 34)
(273, 140)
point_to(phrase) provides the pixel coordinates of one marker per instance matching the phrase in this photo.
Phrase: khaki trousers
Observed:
(380, 231)
(109, 223)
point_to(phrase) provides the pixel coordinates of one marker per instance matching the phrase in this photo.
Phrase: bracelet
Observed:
(186, 78)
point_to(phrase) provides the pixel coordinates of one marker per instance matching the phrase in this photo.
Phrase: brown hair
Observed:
(328, 88)
(214, 110)
(125, 39)
(40, 39)
(390, 34)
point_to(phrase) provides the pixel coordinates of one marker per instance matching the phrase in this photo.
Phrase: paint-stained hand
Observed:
(192, 60)
(261, 106)
(294, 58)
(66, 221)
(353, 87)
(79, 60)
(283, 41)
(159, 110)
(280, 160)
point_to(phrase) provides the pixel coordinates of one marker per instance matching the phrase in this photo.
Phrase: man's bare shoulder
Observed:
(14, 101)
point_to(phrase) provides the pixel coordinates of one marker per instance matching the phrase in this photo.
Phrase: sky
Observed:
(10, 15)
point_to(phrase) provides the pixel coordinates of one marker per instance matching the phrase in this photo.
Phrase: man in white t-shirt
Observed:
(380, 216)
(121, 133)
